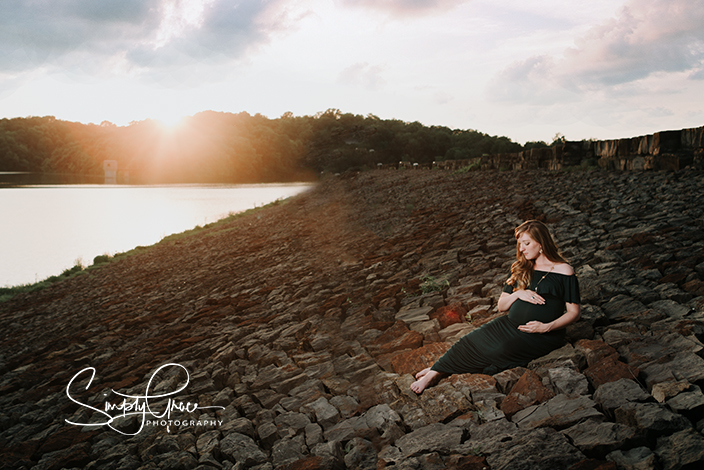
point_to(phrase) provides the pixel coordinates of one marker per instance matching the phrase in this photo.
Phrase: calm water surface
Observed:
(46, 229)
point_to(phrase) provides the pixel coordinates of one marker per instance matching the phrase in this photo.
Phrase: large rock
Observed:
(652, 419)
(528, 391)
(435, 437)
(609, 369)
(242, 449)
(536, 449)
(559, 412)
(596, 438)
(613, 395)
(684, 449)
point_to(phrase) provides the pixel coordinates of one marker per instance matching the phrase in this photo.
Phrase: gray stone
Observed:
(346, 429)
(290, 384)
(565, 354)
(436, 437)
(437, 404)
(268, 434)
(671, 292)
(285, 451)
(568, 382)
(345, 405)
(688, 401)
(179, 461)
(684, 449)
(653, 419)
(596, 438)
(559, 412)
(639, 458)
(325, 414)
(592, 314)
(208, 441)
(623, 308)
(242, 449)
(613, 395)
(382, 418)
(224, 397)
(314, 434)
(414, 314)
(240, 425)
(536, 449)
(291, 423)
(686, 365)
(360, 454)
(429, 329)
(489, 410)
(617, 338)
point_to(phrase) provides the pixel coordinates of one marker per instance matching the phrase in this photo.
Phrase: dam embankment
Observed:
(302, 324)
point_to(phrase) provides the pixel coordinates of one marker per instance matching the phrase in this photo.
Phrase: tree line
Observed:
(237, 148)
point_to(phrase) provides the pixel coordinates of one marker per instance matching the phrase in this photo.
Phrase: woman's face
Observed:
(529, 247)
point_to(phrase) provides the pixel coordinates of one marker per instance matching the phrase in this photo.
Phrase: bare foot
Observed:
(422, 373)
(428, 379)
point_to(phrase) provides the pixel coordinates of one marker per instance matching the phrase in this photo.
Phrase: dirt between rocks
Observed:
(301, 325)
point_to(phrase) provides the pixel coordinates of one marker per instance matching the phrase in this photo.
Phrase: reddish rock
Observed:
(695, 286)
(334, 302)
(505, 380)
(609, 369)
(675, 278)
(528, 391)
(418, 359)
(390, 291)
(386, 361)
(396, 338)
(595, 350)
(450, 314)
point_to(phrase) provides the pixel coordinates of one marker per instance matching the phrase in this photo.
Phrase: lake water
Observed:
(47, 229)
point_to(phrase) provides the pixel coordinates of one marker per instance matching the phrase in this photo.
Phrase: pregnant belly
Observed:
(522, 312)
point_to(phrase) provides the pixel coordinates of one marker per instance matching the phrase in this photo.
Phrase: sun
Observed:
(171, 122)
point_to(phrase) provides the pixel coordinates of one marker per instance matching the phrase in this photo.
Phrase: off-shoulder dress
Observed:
(499, 344)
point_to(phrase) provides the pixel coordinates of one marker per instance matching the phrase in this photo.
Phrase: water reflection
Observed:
(47, 228)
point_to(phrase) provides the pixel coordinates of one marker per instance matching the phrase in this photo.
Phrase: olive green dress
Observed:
(499, 344)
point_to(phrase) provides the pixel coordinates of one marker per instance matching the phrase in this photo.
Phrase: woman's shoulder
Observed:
(563, 268)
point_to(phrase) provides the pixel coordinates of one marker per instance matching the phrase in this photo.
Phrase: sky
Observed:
(528, 70)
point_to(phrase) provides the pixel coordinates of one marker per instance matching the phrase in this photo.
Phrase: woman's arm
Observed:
(506, 299)
(567, 318)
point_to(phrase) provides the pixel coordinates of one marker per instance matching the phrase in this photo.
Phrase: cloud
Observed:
(404, 8)
(363, 75)
(648, 37)
(144, 34)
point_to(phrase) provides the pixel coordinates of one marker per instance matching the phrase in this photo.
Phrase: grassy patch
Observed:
(474, 166)
(7, 293)
(430, 284)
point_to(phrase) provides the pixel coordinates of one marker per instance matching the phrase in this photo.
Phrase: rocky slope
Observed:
(297, 330)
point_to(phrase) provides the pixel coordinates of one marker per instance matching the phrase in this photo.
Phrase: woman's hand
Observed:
(506, 299)
(535, 327)
(530, 297)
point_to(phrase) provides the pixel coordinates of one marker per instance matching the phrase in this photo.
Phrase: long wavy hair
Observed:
(522, 268)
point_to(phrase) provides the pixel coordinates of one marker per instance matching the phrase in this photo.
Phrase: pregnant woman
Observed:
(542, 298)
